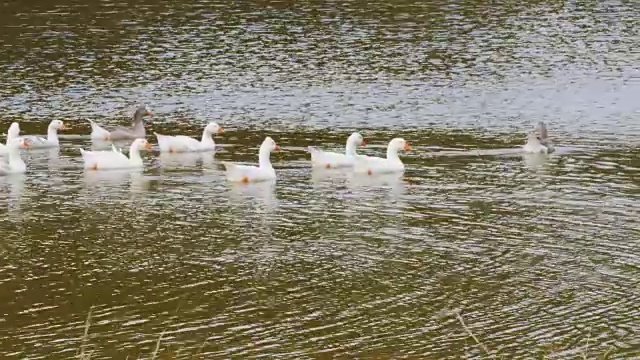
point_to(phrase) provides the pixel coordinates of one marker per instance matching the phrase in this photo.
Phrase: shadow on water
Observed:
(539, 252)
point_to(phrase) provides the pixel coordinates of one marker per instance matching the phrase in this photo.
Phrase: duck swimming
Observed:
(37, 142)
(114, 158)
(136, 131)
(247, 173)
(329, 160)
(376, 165)
(182, 143)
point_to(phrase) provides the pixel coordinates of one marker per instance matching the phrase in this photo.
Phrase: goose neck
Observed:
(52, 134)
(15, 160)
(207, 138)
(264, 157)
(392, 153)
(134, 154)
(350, 148)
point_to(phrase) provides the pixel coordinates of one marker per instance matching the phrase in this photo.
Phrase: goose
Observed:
(376, 165)
(329, 160)
(247, 173)
(182, 143)
(115, 159)
(37, 142)
(105, 133)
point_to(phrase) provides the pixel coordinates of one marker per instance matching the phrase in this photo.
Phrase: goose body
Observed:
(533, 145)
(114, 158)
(327, 159)
(13, 163)
(248, 173)
(372, 165)
(37, 142)
(114, 133)
(181, 143)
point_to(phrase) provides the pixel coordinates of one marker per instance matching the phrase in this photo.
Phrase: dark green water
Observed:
(540, 254)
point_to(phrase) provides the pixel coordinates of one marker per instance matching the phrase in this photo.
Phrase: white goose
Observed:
(14, 163)
(329, 160)
(246, 173)
(181, 143)
(115, 159)
(37, 142)
(534, 145)
(12, 133)
(375, 165)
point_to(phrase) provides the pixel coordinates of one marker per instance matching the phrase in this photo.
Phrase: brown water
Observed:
(540, 254)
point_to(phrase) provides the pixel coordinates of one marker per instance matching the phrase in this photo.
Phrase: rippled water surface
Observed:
(540, 255)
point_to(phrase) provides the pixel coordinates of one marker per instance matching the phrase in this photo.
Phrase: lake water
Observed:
(540, 255)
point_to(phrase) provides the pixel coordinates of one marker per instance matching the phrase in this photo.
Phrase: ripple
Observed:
(537, 252)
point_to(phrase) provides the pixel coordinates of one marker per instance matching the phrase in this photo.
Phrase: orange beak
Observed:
(220, 130)
(149, 113)
(63, 127)
(24, 143)
(363, 143)
(277, 148)
(147, 146)
(407, 147)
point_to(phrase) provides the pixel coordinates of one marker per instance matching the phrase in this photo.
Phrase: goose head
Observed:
(57, 125)
(398, 144)
(213, 128)
(141, 144)
(141, 112)
(356, 139)
(353, 142)
(22, 143)
(269, 145)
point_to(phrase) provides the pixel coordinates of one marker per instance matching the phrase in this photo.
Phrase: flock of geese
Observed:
(11, 160)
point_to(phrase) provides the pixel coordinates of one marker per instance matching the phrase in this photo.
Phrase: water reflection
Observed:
(114, 180)
(260, 195)
(138, 184)
(254, 208)
(179, 160)
(53, 159)
(15, 184)
(361, 184)
(209, 160)
(321, 177)
(535, 162)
